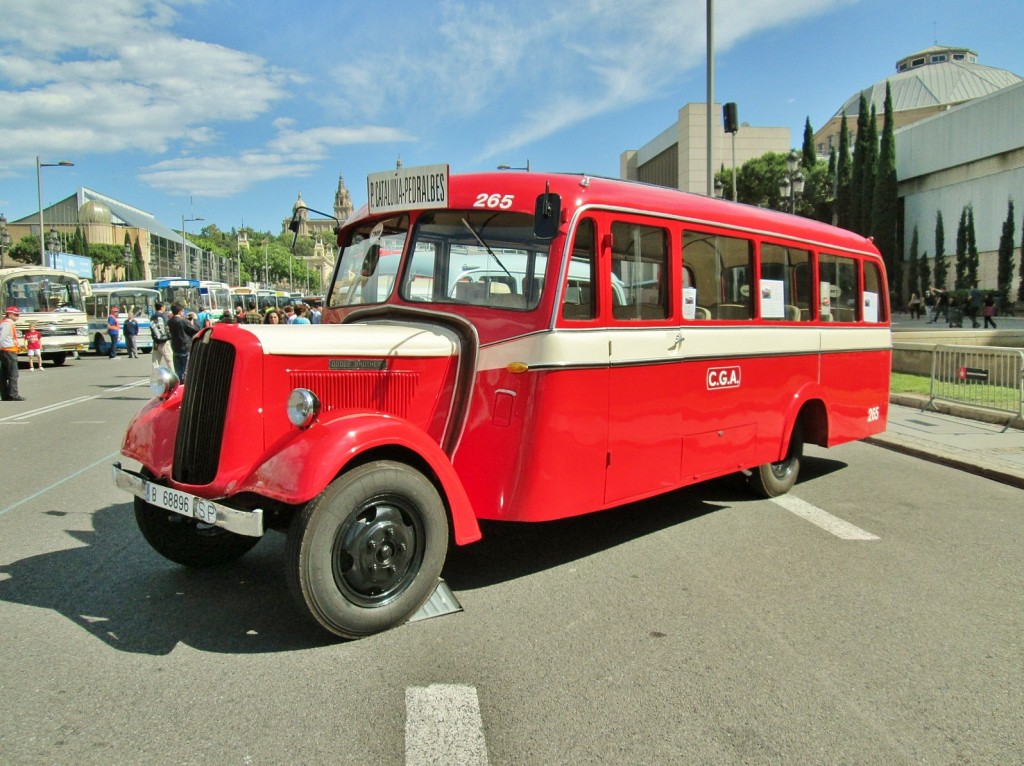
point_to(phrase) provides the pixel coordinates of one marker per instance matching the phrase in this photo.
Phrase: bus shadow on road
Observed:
(120, 591)
(511, 550)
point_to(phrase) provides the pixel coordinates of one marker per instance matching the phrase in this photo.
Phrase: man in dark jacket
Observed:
(181, 331)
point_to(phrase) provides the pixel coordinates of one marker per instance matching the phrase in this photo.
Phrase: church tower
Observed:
(342, 201)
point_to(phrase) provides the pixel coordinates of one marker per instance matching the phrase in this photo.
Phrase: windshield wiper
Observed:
(486, 247)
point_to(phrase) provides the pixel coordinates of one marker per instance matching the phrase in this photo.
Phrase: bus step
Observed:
(440, 603)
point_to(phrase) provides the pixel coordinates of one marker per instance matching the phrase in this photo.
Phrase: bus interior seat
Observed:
(701, 312)
(792, 313)
(732, 311)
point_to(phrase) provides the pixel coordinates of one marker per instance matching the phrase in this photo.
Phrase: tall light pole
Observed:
(792, 184)
(5, 240)
(39, 189)
(184, 251)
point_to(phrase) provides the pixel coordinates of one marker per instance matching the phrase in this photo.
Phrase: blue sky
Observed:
(228, 109)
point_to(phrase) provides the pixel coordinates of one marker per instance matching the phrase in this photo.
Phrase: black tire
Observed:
(98, 345)
(774, 479)
(366, 553)
(186, 541)
(58, 359)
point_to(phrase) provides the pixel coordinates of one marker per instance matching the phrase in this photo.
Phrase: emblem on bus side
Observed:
(723, 377)
(357, 364)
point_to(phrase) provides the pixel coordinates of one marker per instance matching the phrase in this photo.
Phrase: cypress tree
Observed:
(972, 250)
(1004, 268)
(961, 252)
(810, 157)
(925, 272)
(857, 174)
(843, 180)
(1020, 283)
(884, 199)
(913, 268)
(940, 251)
(867, 189)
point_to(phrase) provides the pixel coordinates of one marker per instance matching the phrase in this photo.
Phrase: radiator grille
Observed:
(203, 412)
(383, 391)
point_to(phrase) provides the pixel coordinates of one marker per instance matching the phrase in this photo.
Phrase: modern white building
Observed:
(677, 157)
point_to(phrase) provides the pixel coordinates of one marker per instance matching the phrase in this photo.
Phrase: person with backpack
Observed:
(161, 338)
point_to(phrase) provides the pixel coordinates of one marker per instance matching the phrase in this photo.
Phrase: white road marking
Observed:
(71, 402)
(824, 519)
(443, 726)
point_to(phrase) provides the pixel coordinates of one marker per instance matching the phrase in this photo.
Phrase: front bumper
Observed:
(241, 522)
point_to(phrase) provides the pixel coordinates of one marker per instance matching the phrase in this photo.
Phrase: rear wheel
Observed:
(187, 541)
(97, 346)
(774, 479)
(58, 359)
(368, 551)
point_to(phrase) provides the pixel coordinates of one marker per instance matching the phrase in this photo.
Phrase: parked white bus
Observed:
(52, 300)
(138, 300)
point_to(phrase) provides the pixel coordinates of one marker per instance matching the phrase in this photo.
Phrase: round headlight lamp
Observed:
(162, 382)
(303, 407)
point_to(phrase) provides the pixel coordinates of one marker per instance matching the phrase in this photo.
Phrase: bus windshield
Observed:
(369, 262)
(480, 258)
(43, 292)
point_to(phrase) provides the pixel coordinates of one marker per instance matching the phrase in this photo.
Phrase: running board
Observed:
(440, 603)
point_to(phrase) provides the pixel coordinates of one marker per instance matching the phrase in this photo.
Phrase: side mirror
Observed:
(546, 215)
(370, 261)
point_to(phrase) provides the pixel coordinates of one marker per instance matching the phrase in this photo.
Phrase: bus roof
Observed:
(580, 191)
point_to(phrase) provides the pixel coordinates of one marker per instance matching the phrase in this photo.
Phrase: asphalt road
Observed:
(701, 627)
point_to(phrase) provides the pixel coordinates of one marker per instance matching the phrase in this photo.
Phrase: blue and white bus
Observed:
(140, 301)
(171, 290)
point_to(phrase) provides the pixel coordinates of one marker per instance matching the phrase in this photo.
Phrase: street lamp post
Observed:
(266, 266)
(509, 167)
(792, 184)
(5, 241)
(126, 254)
(53, 241)
(184, 246)
(39, 190)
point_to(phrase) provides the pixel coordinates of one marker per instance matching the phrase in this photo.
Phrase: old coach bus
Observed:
(509, 346)
(54, 301)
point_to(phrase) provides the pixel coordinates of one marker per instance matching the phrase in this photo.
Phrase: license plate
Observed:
(181, 502)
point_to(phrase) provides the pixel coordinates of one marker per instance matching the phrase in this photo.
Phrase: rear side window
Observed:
(722, 270)
(785, 289)
(837, 288)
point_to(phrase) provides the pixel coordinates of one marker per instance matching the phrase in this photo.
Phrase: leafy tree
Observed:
(940, 251)
(757, 183)
(25, 250)
(884, 201)
(1004, 267)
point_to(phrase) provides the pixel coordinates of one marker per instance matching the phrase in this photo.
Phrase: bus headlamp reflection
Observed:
(162, 382)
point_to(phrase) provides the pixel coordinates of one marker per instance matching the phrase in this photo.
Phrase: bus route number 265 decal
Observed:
(494, 201)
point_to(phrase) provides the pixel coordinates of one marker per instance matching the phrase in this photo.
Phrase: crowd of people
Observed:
(937, 302)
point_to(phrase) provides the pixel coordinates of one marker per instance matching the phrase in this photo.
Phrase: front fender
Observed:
(303, 467)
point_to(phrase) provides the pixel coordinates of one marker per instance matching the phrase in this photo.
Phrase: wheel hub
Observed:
(374, 552)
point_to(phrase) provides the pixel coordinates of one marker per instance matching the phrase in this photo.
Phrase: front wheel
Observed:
(187, 541)
(368, 551)
(774, 479)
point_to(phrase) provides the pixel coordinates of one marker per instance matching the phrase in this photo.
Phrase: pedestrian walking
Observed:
(974, 305)
(988, 311)
(252, 316)
(113, 330)
(181, 331)
(915, 305)
(34, 346)
(161, 338)
(131, 329)
(9, 356)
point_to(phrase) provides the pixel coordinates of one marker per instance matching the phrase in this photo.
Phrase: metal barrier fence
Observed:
(990, 377)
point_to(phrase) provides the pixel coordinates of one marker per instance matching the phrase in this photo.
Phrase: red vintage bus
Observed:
(509, 346)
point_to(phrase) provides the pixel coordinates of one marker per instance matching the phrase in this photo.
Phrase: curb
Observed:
(949, 456)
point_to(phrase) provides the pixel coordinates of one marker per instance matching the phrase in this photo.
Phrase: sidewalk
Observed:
(961, 437)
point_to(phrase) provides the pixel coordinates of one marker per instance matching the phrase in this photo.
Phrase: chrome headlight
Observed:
(81, 330)
(162, 382)
(303, 407)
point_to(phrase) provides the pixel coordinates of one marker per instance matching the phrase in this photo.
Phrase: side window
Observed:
(578, 301)
(721, 270)
(640, 270)
(837, 288)
(873, 303)
(785, 286)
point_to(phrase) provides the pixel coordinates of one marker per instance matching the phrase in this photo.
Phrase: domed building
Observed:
(926, 83)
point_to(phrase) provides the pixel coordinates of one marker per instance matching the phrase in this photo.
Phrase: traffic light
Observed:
(729, 118)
